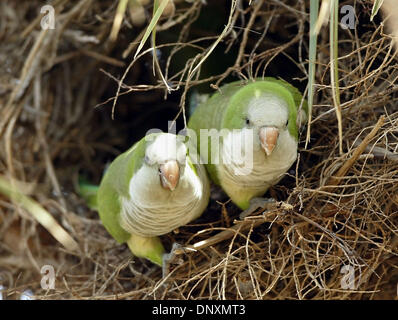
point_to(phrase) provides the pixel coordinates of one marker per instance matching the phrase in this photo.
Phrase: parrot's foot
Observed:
(171, 258)
(257, 203)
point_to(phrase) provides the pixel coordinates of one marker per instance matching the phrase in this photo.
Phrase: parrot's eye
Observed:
(287, 122)
(247, 121)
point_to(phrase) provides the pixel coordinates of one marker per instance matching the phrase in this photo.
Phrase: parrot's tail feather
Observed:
(89, 193)
(150, 248)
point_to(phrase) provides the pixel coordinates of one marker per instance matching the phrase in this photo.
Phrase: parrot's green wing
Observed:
(208, 115)
(109, 210)
(114, 184)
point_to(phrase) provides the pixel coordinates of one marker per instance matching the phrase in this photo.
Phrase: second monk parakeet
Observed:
(268, 110)
(150, 190)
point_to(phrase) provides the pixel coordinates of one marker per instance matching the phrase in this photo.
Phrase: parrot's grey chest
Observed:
(263, 170)
(152, 211)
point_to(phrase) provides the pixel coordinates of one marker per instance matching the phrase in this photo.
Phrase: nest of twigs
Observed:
(73, 98)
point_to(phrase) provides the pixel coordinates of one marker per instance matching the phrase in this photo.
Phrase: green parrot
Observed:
(150, 190)
(262, 116)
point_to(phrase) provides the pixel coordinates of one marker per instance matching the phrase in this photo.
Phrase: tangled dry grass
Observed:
(57, 90)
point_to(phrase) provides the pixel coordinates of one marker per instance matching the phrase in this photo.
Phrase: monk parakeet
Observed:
(150, 190)
(257, 125)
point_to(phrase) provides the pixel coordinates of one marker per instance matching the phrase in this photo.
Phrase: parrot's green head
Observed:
(265, 108)
(165, 158)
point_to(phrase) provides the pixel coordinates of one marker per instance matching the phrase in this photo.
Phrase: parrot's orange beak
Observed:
(268, 137)
(169, 174)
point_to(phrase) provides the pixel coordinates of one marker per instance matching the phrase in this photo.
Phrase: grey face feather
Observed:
(267, 111)
(166, 147)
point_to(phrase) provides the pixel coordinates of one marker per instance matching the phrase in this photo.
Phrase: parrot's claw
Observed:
(256, 203)
(171, 258)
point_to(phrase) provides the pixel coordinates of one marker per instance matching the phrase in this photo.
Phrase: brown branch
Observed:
(335, 181)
